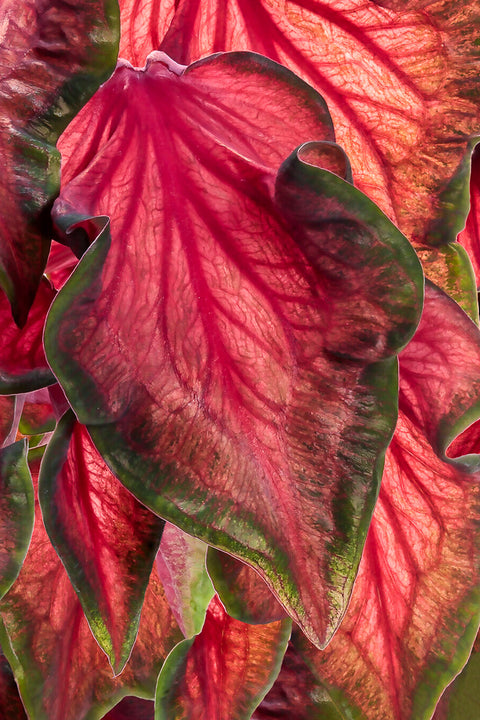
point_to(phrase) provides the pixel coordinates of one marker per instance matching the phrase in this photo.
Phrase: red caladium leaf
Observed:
(52, 60)
(242, 592)
(244, 382)
(60, 265)
(11, 706)
(181, 567)
(16, 512)
(23, 366)
(394, 81)
(414, 610)
(470, 235)
(61, 671)
(105, 538)
(222, 673)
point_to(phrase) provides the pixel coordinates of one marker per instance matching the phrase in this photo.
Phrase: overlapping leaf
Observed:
(222, 673)
(216, 354)
(470, 235)
(53, 56)
(414, 611)
(59, 667)
(105, 538)
(401, 84)
(16, 512)
(181, 567)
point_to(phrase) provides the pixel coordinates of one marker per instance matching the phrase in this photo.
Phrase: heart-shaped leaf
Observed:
(245, 396)
(394, 81)
(61, 671)
(105, 538)
(16, 512)
(222, 673)
(414, 611)
(181, 567)
(52, 60)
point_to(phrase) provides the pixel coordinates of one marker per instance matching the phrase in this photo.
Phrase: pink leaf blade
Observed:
(106, 540)
(414, 610)
(53, 60)
(394, 79)
(225, 671)
(61, 671)
(250, 282)
(16, 512)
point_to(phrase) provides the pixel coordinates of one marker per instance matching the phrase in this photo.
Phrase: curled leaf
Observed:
(249, 393)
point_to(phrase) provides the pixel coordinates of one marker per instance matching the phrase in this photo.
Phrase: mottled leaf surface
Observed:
(401, 84)
(215, 352)
(470, 235)
(222, 673)
(53, 56)
(241, 590)
(11, 706)
(16, 511)
(414, 611)
(181, 567)
(23, 366)
(105, 538)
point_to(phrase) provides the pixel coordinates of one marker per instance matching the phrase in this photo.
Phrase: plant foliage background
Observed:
(240, 359)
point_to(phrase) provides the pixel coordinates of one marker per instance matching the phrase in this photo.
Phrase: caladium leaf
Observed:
(414, 610)
(16, 512)
(222, 673)
(470, 235)
(105, 538)
(23, 366)
(61, 671)
(181, 567)
(297, 694)
(244, 382)
(11, 706)
(52, 60)
(242, 592)
(394, 81)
